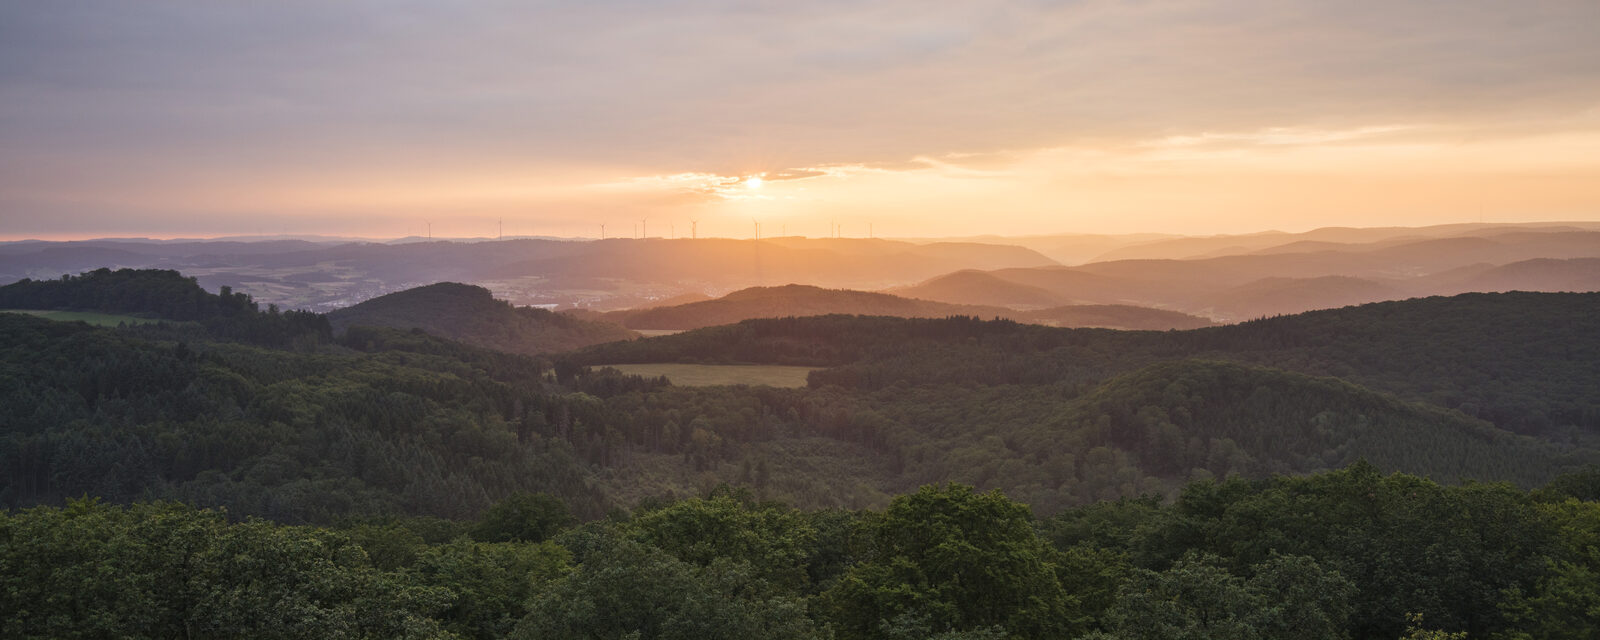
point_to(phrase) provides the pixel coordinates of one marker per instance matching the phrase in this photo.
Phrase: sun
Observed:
(754, 182)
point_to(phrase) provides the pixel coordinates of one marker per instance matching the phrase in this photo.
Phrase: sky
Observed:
(909, 118)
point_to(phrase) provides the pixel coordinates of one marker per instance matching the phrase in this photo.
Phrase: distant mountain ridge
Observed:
(1185, 274)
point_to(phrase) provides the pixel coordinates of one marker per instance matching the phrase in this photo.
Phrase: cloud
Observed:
(167, 97)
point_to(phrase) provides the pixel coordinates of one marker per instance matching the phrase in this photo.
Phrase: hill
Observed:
(1228, 284)
(784, 301)
(981, 288)
(1277, 296)
(167, 295)
(159, 293)
(1111, 316)
(1522, 361)
(802, 300)
(1540, 274)
(472, 315)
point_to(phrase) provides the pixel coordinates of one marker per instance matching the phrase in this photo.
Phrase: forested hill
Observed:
(1524, 361)
(156, 292)
(472, 315)
(168, 295)
(400, 422)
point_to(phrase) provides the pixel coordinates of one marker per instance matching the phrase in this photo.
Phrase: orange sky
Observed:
(919, 118)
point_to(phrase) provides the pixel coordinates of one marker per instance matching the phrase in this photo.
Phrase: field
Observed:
(705, 375)
(97, 319)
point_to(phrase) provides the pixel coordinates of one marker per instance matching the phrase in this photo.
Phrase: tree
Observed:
(1288, 598)
(625, 589)
(523, 517)
(949, 559)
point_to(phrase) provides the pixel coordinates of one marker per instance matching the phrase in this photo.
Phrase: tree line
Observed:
(1351, 553)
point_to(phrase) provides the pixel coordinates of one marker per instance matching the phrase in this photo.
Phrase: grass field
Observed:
(97, 319)
(705, 375)
(651, 333)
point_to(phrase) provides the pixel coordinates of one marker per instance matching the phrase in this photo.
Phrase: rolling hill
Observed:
(981, 288)
(804, 300)
(1279, 296)
(788, 300)
(1111, 316)
(472, 315)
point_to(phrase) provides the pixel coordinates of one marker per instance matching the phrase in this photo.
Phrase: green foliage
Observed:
(627, 589)
(949, 559)
(774, 540)
(493, 583)
(1287, 598)
(1415, 631)
(297, 437)
(1347, 554)
(1407, 544)
(168, 571)
(523, 517)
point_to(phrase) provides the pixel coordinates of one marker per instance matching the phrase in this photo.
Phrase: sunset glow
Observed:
(946, 119)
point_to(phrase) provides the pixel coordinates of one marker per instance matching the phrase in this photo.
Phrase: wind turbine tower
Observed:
(694, 229)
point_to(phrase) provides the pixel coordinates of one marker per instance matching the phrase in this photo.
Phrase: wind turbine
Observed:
(430, 228)
(602, 231)
(694, 229)
(644, 229)
(758, 227)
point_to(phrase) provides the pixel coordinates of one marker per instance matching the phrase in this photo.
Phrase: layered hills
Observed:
(1224, 278)
(1293, 277)
(391, 420)
(397, 421)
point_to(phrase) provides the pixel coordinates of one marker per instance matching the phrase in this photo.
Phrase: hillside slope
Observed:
(1523, 361)
(472, 315)
(789, 300)
(802, 300)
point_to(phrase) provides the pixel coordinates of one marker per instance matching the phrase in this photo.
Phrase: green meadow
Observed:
(705, 375)
(96, 319)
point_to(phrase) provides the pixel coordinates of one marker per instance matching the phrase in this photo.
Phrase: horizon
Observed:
(184, 119)
(977, 238)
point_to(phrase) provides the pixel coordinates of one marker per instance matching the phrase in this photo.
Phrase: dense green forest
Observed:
(1526, 362)
(385, 421)
(1342, 554)
(245, 472)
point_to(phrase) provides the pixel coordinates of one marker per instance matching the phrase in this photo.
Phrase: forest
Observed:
(1341, 554)
(1412, 469)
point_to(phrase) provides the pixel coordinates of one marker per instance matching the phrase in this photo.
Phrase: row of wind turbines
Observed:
(641, 230)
